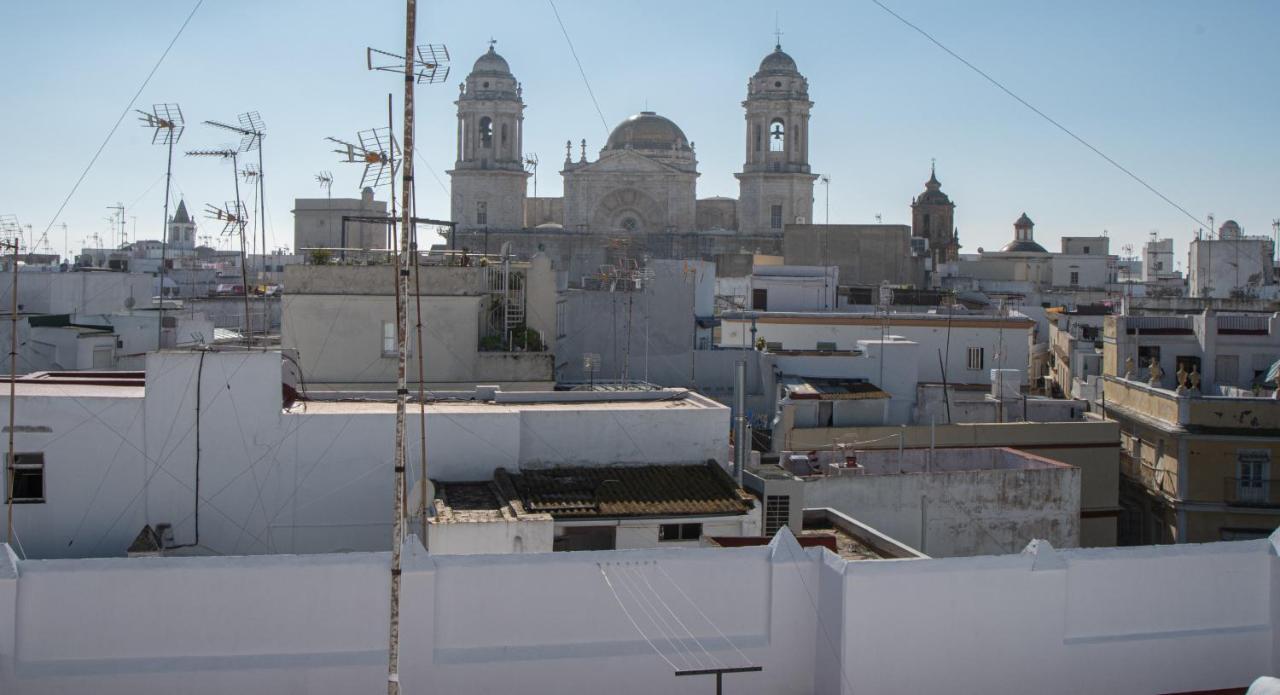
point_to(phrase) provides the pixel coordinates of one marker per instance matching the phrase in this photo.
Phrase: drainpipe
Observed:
(740, 444)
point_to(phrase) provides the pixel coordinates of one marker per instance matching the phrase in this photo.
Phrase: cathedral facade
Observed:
(644, 180)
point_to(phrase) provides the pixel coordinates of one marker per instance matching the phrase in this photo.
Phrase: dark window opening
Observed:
(27, 474)
(760, 299)
(482, 213)
(585, 538)
(679, 532)
(775, 217)
(486, 132)
(1146, 353)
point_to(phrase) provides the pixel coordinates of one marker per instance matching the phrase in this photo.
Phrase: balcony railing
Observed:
(1251, 492)
(1246, 325)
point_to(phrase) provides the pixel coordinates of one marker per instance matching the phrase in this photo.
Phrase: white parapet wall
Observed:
(314, 478)
(1124, 620)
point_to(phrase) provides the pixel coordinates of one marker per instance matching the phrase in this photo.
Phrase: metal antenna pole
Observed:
(164, 245)
(402, 329)
(167, 124)
(13, 381)
(244, 270)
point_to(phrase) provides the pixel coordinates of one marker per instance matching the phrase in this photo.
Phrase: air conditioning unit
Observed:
(919, 246)
(800, 219)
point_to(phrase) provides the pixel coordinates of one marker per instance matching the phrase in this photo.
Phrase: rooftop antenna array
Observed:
(377, 150)
(430, 64)
(234, 217)
(251, 130)
(325, 179)
(531, 165)
(166, 124)
(10, 230)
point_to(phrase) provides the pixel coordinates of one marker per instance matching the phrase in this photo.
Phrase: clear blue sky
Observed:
(1183, 93)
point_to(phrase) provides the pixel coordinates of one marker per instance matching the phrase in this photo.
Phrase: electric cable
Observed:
(123, 113)
(1042, 114)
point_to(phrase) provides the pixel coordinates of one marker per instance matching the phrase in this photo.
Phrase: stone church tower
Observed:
(776, 186)
(933, 217)
(489, 176)
(182, 229)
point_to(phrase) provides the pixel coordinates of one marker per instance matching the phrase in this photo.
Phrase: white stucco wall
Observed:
(314, 479)
(961, 512)
(1050, 621)
(931, 338)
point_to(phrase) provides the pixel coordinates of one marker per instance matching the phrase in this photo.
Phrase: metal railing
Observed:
(1243, 323)
(1159, 322)
(1251, 492)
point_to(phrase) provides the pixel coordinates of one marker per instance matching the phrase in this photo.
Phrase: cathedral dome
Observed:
(1023, 246)
(491, 63)
(779, 62)
(648, 131)
(1023, 241)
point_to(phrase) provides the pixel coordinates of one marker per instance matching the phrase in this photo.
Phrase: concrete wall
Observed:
(1222, 267)
(649, 333)
(1051, 621)
(867, 254)
(317, 223)
(46, 292)
(1092, 446)
(954, 508)
(312, 479)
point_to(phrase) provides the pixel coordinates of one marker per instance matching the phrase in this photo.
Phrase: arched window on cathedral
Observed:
(486, 132)
(777, 136)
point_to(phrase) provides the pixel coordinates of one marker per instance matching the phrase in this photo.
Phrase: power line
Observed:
(579, 62)
(1059, 126)
(123, 113)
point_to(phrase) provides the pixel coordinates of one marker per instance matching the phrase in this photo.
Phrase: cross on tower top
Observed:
(777, 32)
(492, 42)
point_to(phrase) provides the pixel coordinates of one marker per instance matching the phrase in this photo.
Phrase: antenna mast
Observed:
(251, 130)
(10, 235)
(426, 66)
(233, 215)
(166, 123)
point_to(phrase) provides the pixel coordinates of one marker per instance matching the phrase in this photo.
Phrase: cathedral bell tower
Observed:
(776, 186)
(489, 176)
(933, 217)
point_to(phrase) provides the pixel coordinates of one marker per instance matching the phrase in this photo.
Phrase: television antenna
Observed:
(10, 230)
(234, 211)
(325, 179)
(429, 65)
(251, 130)
(377, 150)
(232, 215)
(166, 124)
(531, 165)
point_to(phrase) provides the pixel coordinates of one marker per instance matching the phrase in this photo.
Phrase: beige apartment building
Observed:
(1196, 451)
